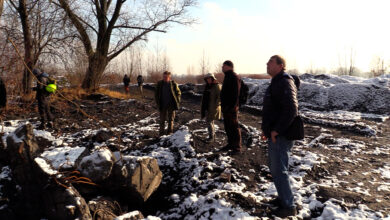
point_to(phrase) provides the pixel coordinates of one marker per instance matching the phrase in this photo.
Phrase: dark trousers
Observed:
(232, 129)
(167, 114)
(44, 108)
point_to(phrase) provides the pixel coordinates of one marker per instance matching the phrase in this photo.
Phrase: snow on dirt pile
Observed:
(330, 92)
(200, 192)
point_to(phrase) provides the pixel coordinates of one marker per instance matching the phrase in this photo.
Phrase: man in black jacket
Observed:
(43, 99)
(280, 107)
(126, 83)
(230, 103)
(3, 96)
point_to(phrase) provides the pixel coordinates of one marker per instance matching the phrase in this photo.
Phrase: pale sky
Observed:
(318, 33)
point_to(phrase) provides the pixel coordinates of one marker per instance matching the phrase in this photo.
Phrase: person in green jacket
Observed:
(211, 104)
(167, 96)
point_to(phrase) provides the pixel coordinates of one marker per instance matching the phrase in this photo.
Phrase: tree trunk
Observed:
(1, 6)
(28, 48)
(97, 65)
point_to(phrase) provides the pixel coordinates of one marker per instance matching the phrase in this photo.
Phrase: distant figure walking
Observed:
(211, 104)
(281, 126)
(126, 83)
(140, 81)
(3, 96)
(167, 97)
(43, 98)
(230, 103)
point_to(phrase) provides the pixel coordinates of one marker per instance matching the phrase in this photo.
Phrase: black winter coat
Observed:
(126, 81)
(230, 92)
(3, 94)
(280, 105)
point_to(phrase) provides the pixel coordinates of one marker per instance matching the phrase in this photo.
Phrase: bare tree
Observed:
(43, 31)
(190, 70)
(378, 66)
(204, 64)
(165, 62)
(114, 26)
(347, 64)
(218, 68)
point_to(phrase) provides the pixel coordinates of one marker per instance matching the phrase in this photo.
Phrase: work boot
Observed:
(234, 151)
(275, 202)
(285, 212)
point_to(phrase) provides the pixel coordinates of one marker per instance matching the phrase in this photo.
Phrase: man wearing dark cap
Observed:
(43, 99)
(230, 103)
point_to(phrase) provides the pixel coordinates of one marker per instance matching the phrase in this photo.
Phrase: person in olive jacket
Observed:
(230, 103)
(167, 97)
(280, 107)
(211, 104)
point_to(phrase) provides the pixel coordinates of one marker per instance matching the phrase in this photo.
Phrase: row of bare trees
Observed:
(52, 31)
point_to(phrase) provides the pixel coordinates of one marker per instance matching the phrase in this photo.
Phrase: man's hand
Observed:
(263, 137)
(273, 136)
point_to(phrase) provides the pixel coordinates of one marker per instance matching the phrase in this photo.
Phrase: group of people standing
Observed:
(281, 124)
(140, 82)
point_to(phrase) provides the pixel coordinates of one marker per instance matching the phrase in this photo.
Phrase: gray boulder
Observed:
(138, 177)
(98, 165)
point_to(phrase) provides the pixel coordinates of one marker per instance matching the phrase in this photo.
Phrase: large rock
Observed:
(98, 165)
(65, 204)
(137, 176)
(21, 150)
(40, 194)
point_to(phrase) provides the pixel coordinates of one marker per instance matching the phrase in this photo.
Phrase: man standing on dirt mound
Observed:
(230, 103)
(43, 97)
(280, 108)
(167, 96)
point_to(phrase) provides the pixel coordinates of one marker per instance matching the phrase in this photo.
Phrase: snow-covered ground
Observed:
(201, 195)
(330, 92)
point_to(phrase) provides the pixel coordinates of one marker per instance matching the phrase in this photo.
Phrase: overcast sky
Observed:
(318, 33)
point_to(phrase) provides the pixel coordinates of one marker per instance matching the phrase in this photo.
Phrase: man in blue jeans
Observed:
(280, 107)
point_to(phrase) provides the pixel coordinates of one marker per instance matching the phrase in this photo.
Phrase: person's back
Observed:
(43, 79)
(126, 80)
(140, 80)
